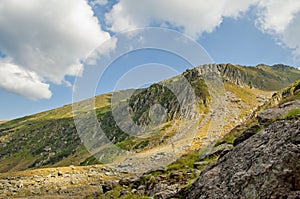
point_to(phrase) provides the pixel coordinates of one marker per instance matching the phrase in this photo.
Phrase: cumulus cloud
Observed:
(276, 15)
(22, 82)
(46, 39)
(192, 16)
(98, 2)
(281, 19)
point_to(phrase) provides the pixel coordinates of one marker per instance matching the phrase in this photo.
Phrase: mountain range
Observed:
(156, 141)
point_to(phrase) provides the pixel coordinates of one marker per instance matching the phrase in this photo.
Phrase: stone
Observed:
(268, 115)
(215, 151)
(60, 173)
(246, 134)
(175, 175)
(125, 182)
(164, 194)
(200, 164)
(265, 166)
(124, 192)
(133, 191)
(109, 185)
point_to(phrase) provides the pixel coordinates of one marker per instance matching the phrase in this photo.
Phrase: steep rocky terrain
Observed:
(236, 111)
(265, 160)
(264, 166)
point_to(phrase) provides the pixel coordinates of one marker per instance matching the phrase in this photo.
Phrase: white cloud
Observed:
(193, 16)
(276, 17)
(291, 35)
(48, 38)
(98, 2)
(22, 82)
(45, 40)
(103, 50)
(281, 19)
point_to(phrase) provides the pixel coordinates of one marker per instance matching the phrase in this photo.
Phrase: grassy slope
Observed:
(50, 139)
(49, 136)
(288, 94)
(187, 162)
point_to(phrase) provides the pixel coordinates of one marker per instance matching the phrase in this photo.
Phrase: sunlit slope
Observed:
(50, 138)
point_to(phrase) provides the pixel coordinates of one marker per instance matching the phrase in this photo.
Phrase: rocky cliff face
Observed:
(261, 76)
(265, 160)
(264, 166)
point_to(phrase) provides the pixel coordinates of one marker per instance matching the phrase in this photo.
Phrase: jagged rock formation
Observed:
(277, 112)
(264, 166)
(265, 160)
(261, 76)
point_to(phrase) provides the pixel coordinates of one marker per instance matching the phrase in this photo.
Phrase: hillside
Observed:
(264, 161)
(260, 133)
(50, 138)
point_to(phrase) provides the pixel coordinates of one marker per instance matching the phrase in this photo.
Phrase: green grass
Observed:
(293, 114)
(141, 145)
(127, 144)
(185, 161)
(90, 161)
(229, 139)
(115, 193)
(29, 136)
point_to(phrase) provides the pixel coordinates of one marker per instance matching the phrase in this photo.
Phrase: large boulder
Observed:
(246, 134)
(267, 165)
(269, 115)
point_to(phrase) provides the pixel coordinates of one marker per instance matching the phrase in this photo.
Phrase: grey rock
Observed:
(164, 194)
(130, 181)
(133, 191)
(265, 166)
(175, 174)
(246, 134)
(277, 112)
(142, 187)
(124, 192)
(109, 185)
(200, 164)
(215, 151)
(60, 173)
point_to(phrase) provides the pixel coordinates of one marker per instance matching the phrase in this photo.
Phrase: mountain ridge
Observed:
(244, 104)
(33, 133)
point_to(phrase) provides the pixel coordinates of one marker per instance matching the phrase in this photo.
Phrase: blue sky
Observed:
(47, 75)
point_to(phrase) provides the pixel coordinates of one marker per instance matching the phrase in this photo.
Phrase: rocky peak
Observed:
(262, 76)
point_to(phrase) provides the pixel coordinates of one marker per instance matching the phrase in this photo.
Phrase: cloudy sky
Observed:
(43, 42)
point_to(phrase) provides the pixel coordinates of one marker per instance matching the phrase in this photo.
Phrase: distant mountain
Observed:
(50, 139)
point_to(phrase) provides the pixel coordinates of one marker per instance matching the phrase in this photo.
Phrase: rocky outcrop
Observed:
(264, 166)
(216, 151)
(261, 77)
(246, 134)
(277, 112)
